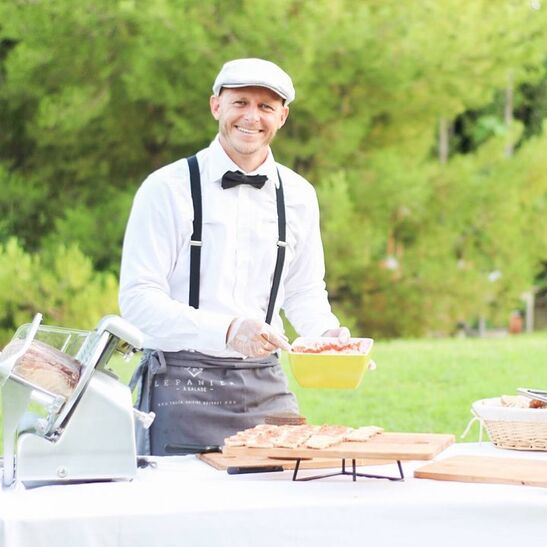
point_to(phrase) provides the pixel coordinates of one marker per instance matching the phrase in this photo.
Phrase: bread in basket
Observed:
(511, 426)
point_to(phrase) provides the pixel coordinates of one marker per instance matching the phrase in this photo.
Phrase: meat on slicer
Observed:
(88, 435)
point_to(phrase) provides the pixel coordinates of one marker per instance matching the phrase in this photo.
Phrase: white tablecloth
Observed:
(185, 502)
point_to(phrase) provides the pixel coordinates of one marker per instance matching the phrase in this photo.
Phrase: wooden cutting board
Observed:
(486, 469)
(385, 446)
(223, 462)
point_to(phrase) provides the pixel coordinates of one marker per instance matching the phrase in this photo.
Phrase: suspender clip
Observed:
(195, 243)
(281, 243)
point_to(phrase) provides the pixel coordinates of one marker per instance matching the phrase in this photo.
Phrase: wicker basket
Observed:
(514, 428)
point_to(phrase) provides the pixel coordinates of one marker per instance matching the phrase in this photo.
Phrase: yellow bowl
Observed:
(329, 370)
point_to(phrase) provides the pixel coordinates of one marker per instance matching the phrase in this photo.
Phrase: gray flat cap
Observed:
(255, 72)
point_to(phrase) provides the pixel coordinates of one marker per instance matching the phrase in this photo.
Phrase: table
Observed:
(185, 502)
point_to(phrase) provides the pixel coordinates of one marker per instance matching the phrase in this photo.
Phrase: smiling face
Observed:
(248, 119)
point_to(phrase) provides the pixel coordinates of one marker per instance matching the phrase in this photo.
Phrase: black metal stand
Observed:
(353, 473)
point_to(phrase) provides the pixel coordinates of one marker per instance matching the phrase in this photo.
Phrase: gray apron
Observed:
(199, 400)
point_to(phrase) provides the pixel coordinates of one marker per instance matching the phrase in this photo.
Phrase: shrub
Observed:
(60, 283)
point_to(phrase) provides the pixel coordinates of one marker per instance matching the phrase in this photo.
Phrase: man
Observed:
(215, 246)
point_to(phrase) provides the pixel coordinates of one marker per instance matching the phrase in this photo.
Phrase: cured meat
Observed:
(47, 367)
(331, 346)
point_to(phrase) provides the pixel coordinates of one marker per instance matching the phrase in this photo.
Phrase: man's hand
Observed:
(254, 338)
(342, 333)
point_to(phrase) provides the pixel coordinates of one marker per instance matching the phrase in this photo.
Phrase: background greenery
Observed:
(420, 123)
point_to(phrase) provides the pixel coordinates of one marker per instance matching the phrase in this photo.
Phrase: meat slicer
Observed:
(88, 435)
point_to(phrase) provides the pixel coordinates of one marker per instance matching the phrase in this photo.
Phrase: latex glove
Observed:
(254, 338)
(342, 333)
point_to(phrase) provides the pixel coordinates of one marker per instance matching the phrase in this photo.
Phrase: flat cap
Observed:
(255, 72)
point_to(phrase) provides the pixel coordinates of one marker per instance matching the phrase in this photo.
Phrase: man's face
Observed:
(248, 119)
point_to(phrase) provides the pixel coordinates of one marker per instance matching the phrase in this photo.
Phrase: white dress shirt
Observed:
(238, 256)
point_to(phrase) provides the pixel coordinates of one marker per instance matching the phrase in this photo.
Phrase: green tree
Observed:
(96, 94)
(61, 284)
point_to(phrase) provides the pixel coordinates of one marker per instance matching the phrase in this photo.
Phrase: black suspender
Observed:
(281, 246)
(195, 241)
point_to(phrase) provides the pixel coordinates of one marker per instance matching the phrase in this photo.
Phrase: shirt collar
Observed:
(220, 162)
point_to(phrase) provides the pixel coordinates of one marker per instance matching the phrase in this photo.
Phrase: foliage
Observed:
(96, 94)
(60, 283)
(21, 209)
(467, 239)
(78, 222)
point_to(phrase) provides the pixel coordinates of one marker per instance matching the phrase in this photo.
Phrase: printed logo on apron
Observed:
(193, 380)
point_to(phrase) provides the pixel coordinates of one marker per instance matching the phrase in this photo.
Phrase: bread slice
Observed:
(323, 441)
(363, 434)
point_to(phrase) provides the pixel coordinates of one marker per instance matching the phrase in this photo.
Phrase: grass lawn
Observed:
(425, 385)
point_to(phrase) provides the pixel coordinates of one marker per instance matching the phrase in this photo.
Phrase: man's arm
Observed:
(159, 225)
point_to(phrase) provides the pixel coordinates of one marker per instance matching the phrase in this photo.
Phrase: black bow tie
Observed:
(233, 178)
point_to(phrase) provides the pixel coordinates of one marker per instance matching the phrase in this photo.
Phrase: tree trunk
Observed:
(508, 115)
(482, 326)
(529, 300)
(443, 140)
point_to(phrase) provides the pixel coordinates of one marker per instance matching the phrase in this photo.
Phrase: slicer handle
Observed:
(122, 329)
